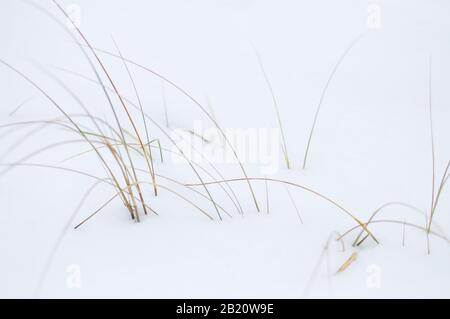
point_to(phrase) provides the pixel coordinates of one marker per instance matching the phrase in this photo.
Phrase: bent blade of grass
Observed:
(325, 89)
(76, 126)
(319, 261)
(277, 109)
(102, 66)
(154, 122)
(294, 204)
(191, 98)
(433, 156)
(63, 27)
(66, 142)
(117, 157)
(182, 154)
(22, 104)
(8, 132)
(149, 183)
(71, 170)
(310, 190)
(193, 190)
(85, 54)
(440, 189)
(21, 140)
(44, 123)
(97, 211)
(72, 94)
(400, 222)
(149, 158)
(156, 140)
(435, 195)
(83, 51)
(210, 108)
(60, 239)
(184, 198)
(103, 141)
(54, 103)
(167, 150)
(42, 150)
(381, 208)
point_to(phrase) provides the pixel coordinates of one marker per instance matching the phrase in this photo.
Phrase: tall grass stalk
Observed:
(435, 194)
(200, 106)
(305, 188)
(277, 109)
(161, 129)
(77, 127)
(324, 91)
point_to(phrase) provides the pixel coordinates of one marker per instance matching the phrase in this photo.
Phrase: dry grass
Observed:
(324, 91)
(334, 236)
(305, 188)
(118, 147)
(294, 204)
(350, 260)
(277, 110)
(201, 107)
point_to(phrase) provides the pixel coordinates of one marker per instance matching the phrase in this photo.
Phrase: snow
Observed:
(371, 146)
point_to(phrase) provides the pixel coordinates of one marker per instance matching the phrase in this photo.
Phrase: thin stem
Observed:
(433, 177)
(185, 93)
(277, 110)
(150, 159)
(322, 96)
(334, 203)
(294, 204)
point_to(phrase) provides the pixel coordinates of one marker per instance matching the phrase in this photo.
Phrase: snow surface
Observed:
(371, 146)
